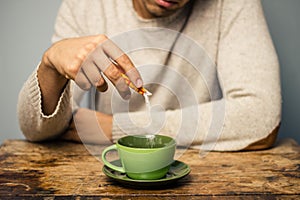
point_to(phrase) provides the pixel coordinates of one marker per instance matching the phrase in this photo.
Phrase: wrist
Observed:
(46, 61)
(46, 67)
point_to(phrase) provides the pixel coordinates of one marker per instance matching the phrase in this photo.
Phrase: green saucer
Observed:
(177, 171)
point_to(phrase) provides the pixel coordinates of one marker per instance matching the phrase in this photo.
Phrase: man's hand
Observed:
(84, 60)
(90, 127)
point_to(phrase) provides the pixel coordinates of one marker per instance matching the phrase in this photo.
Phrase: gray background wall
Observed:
(26, 28)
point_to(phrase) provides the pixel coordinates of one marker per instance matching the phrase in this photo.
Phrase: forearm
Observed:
(221, 125)
(51, 84)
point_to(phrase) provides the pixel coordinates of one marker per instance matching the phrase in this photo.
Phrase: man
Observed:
(232, 32)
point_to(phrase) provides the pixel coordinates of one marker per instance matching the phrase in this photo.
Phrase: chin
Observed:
(163, 8)
(162, 13)
(159, 11)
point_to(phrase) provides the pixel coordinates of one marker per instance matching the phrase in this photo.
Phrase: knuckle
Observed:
(100, 82)
(124, 60)
(101, 38)
(73, 68)
(80, 57)
(89, 47)
(113, 73)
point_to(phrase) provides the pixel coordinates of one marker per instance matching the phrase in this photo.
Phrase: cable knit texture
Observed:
(233, 33)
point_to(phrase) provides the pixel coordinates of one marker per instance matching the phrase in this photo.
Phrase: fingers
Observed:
(100, 61)
(90, 75)
(123, 61)
(111, 49)
(114, 75)
(82, 81)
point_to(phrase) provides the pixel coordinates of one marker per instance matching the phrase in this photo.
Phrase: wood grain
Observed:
(69, 171)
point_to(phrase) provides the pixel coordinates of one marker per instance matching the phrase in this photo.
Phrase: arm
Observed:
(248, 71)
(80, 58)
(44, 107)
(254, 90)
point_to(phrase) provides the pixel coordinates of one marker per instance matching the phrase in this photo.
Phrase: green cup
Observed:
(143, 157)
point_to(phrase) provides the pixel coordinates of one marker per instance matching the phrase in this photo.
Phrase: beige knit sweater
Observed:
(225, 107)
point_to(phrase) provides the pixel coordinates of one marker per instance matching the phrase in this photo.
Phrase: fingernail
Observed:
(139, 83)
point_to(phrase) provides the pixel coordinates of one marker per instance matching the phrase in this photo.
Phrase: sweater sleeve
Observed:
(248, 71)
(35, 125)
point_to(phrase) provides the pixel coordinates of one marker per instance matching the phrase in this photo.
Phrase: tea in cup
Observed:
(143, 157)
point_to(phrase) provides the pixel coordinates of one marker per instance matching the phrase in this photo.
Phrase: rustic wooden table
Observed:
(61, 170)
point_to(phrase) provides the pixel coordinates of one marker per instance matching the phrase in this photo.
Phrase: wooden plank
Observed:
(68, 170)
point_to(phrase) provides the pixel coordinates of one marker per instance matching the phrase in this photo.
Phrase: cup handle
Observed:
(107, 163)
